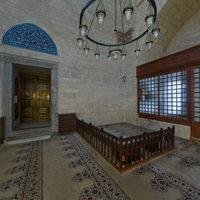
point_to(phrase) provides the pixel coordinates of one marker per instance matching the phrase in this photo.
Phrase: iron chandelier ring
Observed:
(90, 2)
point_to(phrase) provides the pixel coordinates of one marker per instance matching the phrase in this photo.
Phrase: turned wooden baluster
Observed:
(120, 152)
(173, 136)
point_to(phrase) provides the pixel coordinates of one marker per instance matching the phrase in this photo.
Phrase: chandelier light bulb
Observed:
(149, 44)
(101, 14)
(80, 42)
(123, 56)
(137, 52)
(97, 56)
(109, 58)
(115, 56)
(101, 19)
(86, 50)
(149, 20)
(115, 53)
(156, 32)
(83, 30)
(128, 13)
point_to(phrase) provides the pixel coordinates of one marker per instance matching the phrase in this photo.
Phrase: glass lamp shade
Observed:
(86, 50)
(80, 42)
(149, 44)
(101, 14)
(128, 11)
(83, 30)
(109, 58)
(149, 20)
(123, 56)
(97, 56)
(156, 32)
(137, 52)
(115, 55)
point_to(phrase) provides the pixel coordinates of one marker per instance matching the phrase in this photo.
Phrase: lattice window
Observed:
(173, 94)
(197, 94)
(149, 95)
(165, 95)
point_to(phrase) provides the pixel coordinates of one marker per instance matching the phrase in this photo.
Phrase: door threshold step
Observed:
(27, 140)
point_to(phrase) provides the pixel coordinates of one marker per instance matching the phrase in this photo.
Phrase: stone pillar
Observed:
(7, 104)
(1, 86)
(54, 99)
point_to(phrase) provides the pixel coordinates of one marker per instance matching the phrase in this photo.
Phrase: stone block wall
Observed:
(1, 88)
(188, 36)
(89, 88)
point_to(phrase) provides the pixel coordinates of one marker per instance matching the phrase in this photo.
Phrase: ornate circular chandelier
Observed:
(125, 25)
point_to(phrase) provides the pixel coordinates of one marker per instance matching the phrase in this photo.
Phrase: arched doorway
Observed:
(32, 97)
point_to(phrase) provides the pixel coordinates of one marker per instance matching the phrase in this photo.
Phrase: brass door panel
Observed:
(43, 99)
(35, 98)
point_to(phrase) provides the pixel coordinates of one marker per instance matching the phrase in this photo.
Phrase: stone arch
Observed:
(29, 36)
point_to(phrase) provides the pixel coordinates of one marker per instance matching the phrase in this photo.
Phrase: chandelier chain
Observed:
(115, 16)
(94, 16)
(120, 2)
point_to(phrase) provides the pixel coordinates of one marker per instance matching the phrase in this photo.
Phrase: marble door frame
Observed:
(7, 62)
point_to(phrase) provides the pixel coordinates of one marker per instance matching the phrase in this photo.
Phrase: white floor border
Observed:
(22, 141)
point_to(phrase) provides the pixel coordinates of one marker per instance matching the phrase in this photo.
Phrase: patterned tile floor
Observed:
(67, 168)
(23, 179)
(179, 170)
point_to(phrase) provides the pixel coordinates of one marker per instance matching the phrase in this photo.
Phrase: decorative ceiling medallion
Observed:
(124, 37)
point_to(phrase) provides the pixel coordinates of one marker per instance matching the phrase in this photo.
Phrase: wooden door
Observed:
(196, 104)
(35, 98)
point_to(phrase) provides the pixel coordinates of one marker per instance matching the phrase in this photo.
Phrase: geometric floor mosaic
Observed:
(103, 186)
(25, 177)
(164, 179)
(67, 168)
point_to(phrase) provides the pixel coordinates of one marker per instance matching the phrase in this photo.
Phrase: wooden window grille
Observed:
(149, 95)
(197, 94)
(165, 95)
(173, 96)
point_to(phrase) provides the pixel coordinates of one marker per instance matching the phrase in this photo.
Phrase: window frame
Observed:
(139, 97)
(187, 59)
(197, 96)
(193, 94)
(171, 119)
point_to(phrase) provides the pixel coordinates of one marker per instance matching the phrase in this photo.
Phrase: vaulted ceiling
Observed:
(173, 15)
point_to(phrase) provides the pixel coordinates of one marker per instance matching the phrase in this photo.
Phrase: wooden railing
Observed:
(1, 130)
(125, 153)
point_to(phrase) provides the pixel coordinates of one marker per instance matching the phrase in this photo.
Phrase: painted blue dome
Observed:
(30, 36)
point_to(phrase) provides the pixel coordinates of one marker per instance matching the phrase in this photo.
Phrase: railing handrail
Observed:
(121, 152)
(130, 137)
